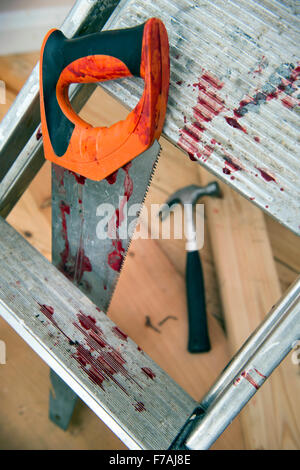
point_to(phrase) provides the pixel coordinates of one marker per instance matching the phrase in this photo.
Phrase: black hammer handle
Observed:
(198, 332)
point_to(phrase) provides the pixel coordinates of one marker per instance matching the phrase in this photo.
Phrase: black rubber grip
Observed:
(123, 44)
(198, 340)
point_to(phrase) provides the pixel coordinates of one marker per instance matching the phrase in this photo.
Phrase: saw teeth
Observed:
(130, 240)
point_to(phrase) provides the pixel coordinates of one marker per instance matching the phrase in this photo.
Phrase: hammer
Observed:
(198, 340)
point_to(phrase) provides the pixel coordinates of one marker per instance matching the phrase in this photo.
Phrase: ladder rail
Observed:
(263, 351)
(250, 348)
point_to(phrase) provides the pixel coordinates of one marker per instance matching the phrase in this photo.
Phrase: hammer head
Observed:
(191, 194)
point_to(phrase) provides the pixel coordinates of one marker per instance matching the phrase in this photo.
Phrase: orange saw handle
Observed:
(69, 141)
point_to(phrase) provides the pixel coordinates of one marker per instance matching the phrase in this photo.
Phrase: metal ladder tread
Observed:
(143, 406)
(234, 92)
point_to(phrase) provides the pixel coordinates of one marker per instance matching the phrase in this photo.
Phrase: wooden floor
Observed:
(151, 286)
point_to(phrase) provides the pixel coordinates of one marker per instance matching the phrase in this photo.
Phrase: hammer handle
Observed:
(198, 332)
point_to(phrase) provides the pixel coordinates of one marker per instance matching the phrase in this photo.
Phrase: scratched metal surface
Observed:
(118, 381)
(234, 93)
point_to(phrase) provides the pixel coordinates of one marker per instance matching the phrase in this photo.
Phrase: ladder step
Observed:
(234, 92)
(143, 406)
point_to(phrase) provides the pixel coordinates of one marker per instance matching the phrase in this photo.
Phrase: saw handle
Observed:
(98, 151)
(97, 57)
(198, 340)
(91, 69)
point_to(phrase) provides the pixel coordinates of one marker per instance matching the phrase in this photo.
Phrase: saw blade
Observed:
(93, 223)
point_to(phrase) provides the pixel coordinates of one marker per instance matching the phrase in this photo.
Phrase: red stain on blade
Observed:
(111, 179)
(73, 267)
(80, 179)
(115, 258)
(64, 255)
(59, 173)
(83, 264)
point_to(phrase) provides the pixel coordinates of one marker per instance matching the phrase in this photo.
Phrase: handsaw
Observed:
(95, 172)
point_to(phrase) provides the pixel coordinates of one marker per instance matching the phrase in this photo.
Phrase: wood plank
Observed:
(285, 244)
(14, 71)
(32, 215)
(249, 287)
(286, 275)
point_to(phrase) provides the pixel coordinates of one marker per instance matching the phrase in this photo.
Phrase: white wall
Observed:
(24, 23)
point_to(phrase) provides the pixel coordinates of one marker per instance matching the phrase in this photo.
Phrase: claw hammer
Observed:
(198, 340)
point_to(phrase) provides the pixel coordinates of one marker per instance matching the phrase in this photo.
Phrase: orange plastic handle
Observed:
(96, 152)
(90, 69)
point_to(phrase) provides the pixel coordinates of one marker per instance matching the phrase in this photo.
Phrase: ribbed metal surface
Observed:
(234, 93)
(105, 368)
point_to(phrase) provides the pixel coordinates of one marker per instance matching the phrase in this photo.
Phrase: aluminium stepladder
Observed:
(24, 291)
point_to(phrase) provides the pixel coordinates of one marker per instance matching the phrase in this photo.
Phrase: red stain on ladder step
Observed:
(99, 360)
(208, 106)
(118, 332)
(148, 372)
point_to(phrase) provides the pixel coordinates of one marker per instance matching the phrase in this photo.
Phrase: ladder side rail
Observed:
(252, 344)
(267, 347)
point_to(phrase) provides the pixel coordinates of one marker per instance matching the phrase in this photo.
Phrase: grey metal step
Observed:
(234, 92)
(143, 406)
